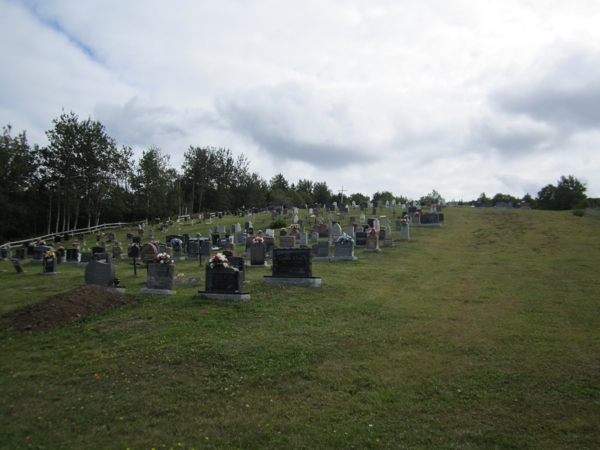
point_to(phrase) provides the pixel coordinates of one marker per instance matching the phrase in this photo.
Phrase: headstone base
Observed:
(343, 258)
(427, 225)
(157, 291)
(234, 296)
(82, 264)
(281, 281)
(372, 250)
(120, 290)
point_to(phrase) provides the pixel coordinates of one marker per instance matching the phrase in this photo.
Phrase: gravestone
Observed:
(323, 230)
(206, 248)
(287, 241)
(292, 266)
(21, 253)
(72, 256)
(372, 243)
(303, 239)
(314, 237)
(148, 252)
(321, 249)
(362, 218)
(237, 262)
(344, 251)
(137, 240)
(192, 251)
(17, 266)
(361, 239)
(224, 283)
(50, 263)
(117, 251)
(388, 242)
(100, 273)
(230, 247)
(160, 279)
(257, 254)
(405, 228)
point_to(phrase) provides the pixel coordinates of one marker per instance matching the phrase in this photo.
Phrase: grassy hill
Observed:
(482, 334)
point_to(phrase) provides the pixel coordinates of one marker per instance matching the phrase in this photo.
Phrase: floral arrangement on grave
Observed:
(134, 244)
(61, 248)
(175, 241)
(295, 226)
(162, 258)
(344, 238)
(258, 240)
(403, 221)
(180, 276)
(417, 213)
(154, 242)
(42, 243)
(372, 231)
(50, 254)
(218, 260)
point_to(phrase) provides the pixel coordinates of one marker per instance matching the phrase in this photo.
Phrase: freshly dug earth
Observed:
(63, 309)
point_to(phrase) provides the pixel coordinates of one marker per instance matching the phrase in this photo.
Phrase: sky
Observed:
(460, 96)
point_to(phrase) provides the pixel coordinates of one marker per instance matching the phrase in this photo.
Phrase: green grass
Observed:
(482, 334)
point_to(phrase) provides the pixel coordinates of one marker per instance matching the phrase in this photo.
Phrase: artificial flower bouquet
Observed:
(218, 260)
(162, 258)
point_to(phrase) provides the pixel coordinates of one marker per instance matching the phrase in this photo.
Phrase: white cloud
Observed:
(465, 97)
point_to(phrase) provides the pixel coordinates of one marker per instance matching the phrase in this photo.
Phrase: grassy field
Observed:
(482, 334)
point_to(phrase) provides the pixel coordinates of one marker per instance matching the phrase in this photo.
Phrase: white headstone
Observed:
(362, 218)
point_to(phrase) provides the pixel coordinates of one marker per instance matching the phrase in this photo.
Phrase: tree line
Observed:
(82, 178)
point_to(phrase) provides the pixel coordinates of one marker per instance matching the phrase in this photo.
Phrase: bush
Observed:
(579, 212)
(277, 223)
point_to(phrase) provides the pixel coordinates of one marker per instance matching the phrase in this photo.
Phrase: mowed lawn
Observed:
(482, 334)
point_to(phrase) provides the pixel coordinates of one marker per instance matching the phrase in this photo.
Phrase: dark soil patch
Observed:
(63, 309)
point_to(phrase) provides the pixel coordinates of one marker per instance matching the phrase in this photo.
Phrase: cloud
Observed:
(293, 122)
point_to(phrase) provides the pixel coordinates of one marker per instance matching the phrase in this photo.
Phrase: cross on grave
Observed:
(341, 191)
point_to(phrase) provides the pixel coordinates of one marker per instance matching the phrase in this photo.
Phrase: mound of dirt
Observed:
(63, 309)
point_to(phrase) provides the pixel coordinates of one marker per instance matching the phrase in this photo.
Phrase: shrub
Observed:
(579, 212)
(277, 223)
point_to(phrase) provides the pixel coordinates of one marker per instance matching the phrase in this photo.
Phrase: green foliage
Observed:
(279, 183)
(567, 193)
(278, 223)
(321, 192)
(384, 196)
(358, 197)
(579, 212)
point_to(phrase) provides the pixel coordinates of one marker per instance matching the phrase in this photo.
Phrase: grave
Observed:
(17, 266)
(287, 242)
(258, 251)
(372, 243)
(321, 250)
(160, 279)
(224, 283)
(292, 267)
(344, 251)
(102, 273)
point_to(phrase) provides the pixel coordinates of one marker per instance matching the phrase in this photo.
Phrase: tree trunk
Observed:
(58, 209)
(76, 216)
(50, 213)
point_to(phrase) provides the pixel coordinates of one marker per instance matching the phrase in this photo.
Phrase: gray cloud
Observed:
(291, 122)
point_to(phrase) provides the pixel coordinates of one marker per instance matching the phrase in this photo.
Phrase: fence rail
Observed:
(76, 231)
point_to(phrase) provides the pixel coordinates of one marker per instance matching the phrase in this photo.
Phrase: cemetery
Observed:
(474, 325)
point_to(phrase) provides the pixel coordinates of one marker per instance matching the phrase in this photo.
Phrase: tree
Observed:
(305, 186)
(484, 198)
(152, 180)
(358, 197)
(81, 165)
(321, 192)
(567, 193)
(384, 196)
(279, 183)
(17, 181)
